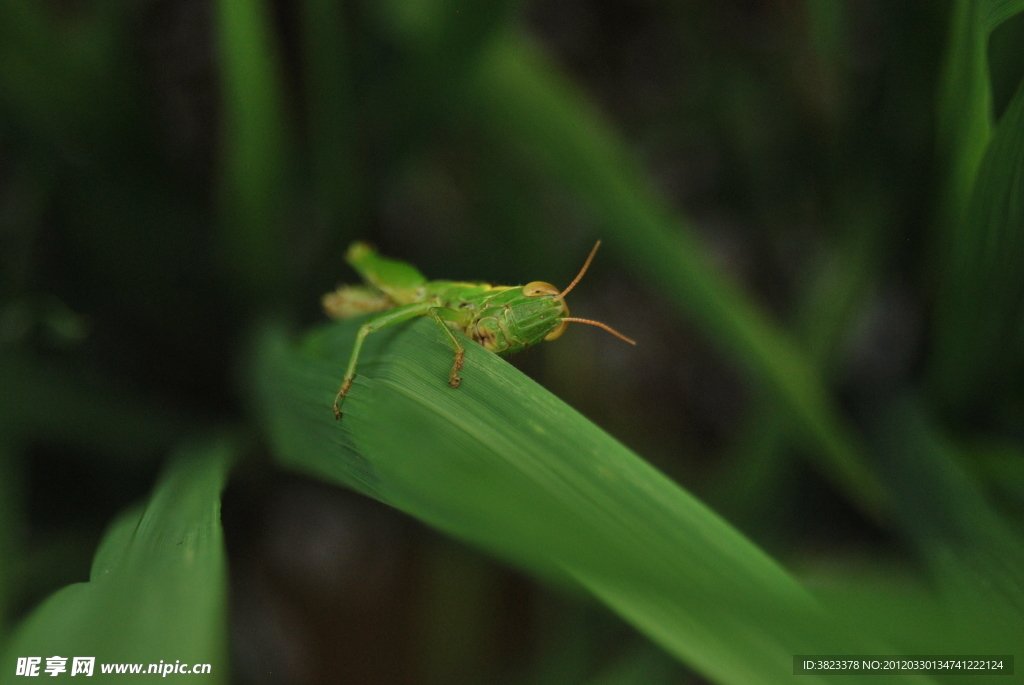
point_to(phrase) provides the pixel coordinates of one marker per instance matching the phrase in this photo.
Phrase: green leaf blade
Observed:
(525, 102)
(501, 463)
(158, 587)
(978, 322)
(256, 147)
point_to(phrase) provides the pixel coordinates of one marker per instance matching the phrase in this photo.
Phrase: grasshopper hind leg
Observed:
(340, 397)
(454, 378)
(383, 320)
(441, 315)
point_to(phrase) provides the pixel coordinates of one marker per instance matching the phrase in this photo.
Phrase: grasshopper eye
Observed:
(557, 333)
(538, 288)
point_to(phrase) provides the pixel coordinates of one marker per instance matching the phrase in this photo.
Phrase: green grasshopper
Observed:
(504, 319)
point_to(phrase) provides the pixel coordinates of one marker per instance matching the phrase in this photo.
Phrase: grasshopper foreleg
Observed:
(441, 315)
(388, 318)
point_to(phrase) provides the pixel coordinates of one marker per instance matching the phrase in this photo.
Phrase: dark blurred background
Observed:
(790, 133)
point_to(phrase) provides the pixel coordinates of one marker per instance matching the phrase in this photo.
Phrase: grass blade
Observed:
(978, 317)
(503, 464)
(965, 97)
(330, 118)
(38, 398)
(253, 158)
(525, 103)
(942, 508)
(963, 617)
(157, 590)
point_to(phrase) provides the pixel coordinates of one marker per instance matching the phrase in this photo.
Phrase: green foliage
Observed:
(134, 276)
(254, 157)
(512, 469)
(965, 105)
(526, 101)
(978, 328)
(157, 590)
(977, 323)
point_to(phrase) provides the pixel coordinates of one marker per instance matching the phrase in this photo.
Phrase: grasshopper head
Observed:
(550, 314)
(547, 306)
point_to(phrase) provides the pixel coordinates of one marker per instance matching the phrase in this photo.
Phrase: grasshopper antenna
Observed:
(598, 323)
(561, 296)
(586, 265)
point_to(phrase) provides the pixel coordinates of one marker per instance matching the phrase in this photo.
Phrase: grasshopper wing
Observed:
(355, 300)
(400, 281)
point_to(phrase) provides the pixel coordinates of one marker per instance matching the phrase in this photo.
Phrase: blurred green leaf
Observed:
(889, 600)
(523, 101)
(942, 508)
(829, 303)
(642, 664)
(956, 615)
(447, 32)
(11, 525)
(254, 149)
(1001, 465)
(503, 464)
(826, 28)
(978, 318)
(62, 78)
(980, 246)
(566, 632)
(329, 112)
(460, 589)
(157, 590)
(1006, 62)
(965, 101)
(37, 399)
